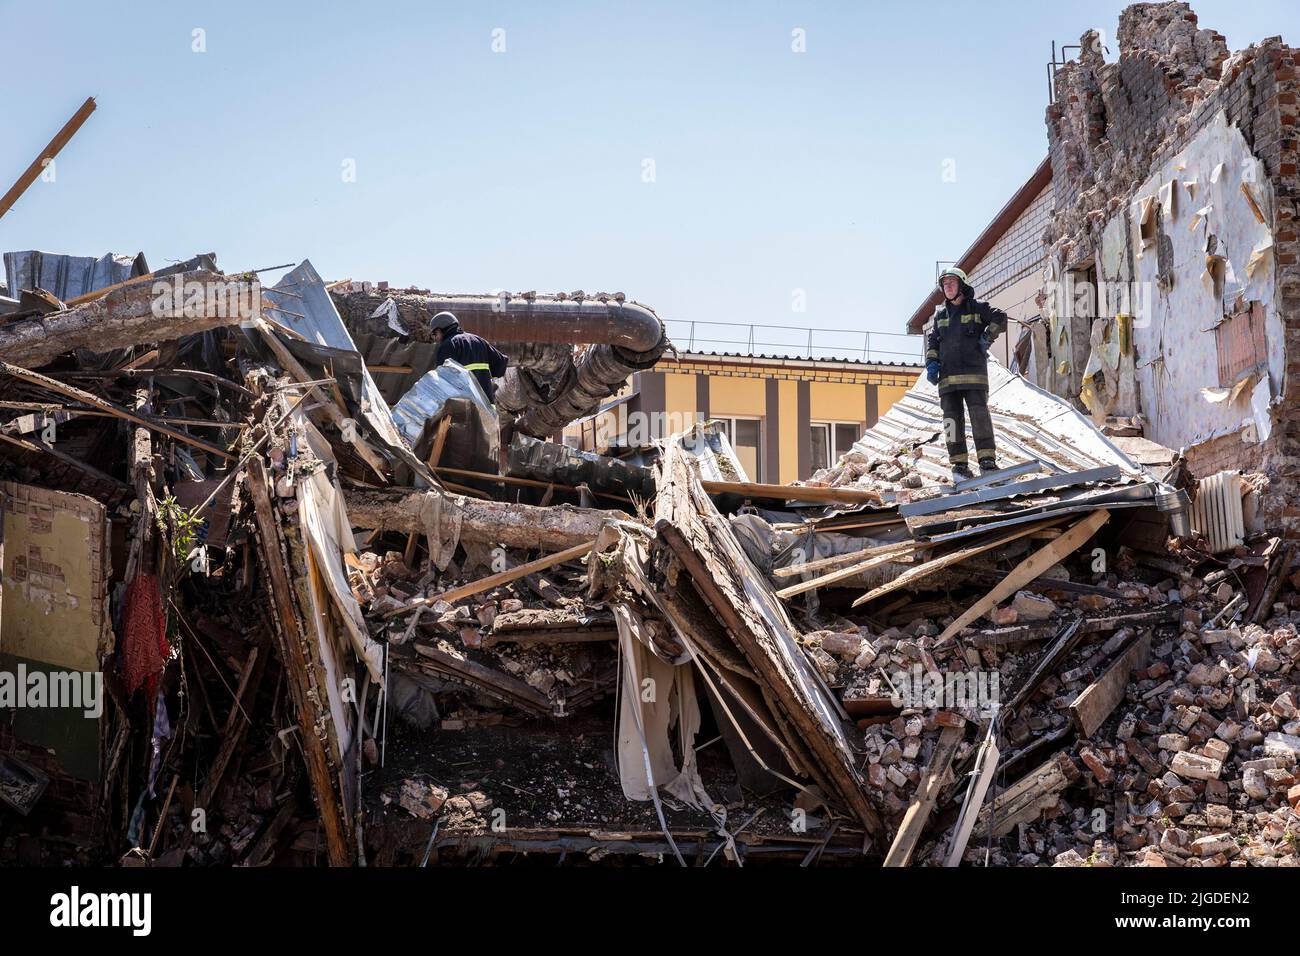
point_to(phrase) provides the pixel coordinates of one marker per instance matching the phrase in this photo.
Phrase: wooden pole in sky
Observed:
(60, 140)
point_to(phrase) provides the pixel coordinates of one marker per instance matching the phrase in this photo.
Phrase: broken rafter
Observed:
(1030, 568)
(46, 156)
(292, 638)
(496, 580)
(927, 793)
(139, 418)
(127, 317)
(914, 575)
(499, 523)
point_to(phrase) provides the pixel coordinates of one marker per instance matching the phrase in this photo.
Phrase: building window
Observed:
(830, 440)
(746, 437)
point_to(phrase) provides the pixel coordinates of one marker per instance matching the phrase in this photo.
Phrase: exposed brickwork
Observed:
(1017, 252)
(1112, 125)
(69, 810)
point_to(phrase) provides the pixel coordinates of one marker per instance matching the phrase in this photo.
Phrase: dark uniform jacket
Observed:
(475, 354)
(958, 340)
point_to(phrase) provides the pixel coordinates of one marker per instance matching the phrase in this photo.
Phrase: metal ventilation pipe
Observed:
(602, 320)
(544, 388)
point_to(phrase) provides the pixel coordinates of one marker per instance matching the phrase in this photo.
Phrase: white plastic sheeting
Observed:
(654, 699)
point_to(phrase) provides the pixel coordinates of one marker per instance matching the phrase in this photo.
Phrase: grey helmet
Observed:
(443, 322)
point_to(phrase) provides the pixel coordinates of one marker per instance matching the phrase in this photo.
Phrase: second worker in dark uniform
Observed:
(474, 353)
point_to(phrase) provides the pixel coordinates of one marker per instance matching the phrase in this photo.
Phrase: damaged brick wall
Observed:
(1113, 124)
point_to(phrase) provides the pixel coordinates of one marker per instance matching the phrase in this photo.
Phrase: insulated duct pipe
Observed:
(544, 389)
(602, 320)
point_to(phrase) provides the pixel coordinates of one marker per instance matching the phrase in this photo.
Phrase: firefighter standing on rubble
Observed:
(471, 351)
(956, 360)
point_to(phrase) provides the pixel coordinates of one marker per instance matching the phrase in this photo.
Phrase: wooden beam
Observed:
(139, 418)
(439, 439)
(553, 635)
(48, 153)
(758, 489)
(881, 557)
(498, 523)
(912, 576)
(498, 683)
(100, 293)
(308, 699)
(837, 559)
(1030, 568)
(496, 580)
(126, 317)
(1041, 631)
(1093, 705)
(923, 800)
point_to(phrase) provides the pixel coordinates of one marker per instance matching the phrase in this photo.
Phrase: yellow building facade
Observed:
(786, 417)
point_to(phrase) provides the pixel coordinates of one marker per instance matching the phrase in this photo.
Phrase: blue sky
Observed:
(774, 171)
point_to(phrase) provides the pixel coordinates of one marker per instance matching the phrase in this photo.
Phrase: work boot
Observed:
(987, 465)
(960, 473)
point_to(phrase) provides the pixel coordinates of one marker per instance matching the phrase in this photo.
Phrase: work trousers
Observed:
(981, 425)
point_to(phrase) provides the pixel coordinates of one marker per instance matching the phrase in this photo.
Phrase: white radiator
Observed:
(1217, 513)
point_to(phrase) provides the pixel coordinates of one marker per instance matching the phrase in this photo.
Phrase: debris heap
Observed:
(344, 610)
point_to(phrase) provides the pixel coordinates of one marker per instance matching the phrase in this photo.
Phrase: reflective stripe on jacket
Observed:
(476, 354)
(955, 341)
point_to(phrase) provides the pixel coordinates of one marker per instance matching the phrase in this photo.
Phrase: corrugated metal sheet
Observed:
(1073, 466)
(68, 276)
(426, 398)
(301, 302)
(378, 350)
(1029, 424)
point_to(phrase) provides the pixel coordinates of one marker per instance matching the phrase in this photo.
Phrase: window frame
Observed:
(762, 440)
(834, 453)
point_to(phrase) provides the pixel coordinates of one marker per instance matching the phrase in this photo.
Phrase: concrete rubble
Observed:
(372, 645)
(279, 589)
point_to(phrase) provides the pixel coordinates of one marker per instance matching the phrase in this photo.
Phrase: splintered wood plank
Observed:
(927, 792)
(1093, 705)
(882, 556)
(837, 559)
(1030, 568)
(291, 635)
(912, 576)
(496, 580)
(754, 618)
(1025, 799)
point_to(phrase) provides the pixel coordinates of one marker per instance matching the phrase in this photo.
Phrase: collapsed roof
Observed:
(353, 615)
